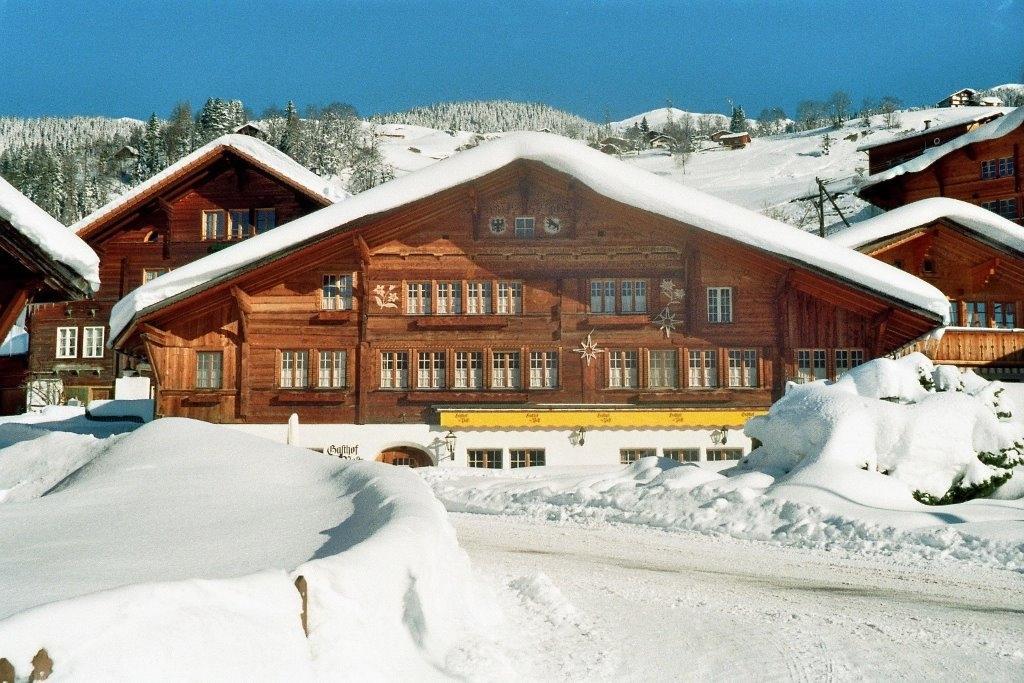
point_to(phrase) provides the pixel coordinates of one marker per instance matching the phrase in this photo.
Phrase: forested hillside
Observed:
(494, 116)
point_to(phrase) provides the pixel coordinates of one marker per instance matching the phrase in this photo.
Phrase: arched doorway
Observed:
(405, 455)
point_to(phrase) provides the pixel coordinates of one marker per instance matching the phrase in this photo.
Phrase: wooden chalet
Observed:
(531, 284)
(976, 259)
(40, 261)
(980, 167)
(884, 155)
(225, 192)
(965, 97)
(735, 140)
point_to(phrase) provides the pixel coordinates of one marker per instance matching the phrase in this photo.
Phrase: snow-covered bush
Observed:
(944, 433)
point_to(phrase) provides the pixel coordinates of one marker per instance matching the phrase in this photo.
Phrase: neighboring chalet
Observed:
(968, 97)
(255, 129)
(976, 258)
(509, 304)
(979, 167)
(40, 260)
(229, 190)
(718, 134)
(892, 152)
(735, 140)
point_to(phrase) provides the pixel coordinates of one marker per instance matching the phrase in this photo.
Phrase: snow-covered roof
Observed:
(989, 131)
(940, 125)
(976, 219)
(741, 134)
(261, 154)
(51, 236)
(972, 91)
(603, 174)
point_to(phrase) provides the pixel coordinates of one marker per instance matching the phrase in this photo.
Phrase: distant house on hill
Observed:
(657, 140)
(991, 101)
(614, 145)
(735, 140)
(717, 135)
(125, 154)
(889, 153)
(253, 129)
(961, 98)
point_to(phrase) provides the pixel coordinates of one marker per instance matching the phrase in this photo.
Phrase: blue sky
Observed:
(60, 57)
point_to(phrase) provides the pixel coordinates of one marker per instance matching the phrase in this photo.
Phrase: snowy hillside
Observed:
(493, 116)
(658, 118)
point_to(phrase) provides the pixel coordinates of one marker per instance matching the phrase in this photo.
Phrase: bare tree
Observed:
(889, 107)
(838, 108)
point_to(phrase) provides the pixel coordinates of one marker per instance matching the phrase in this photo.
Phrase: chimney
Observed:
(927, 124)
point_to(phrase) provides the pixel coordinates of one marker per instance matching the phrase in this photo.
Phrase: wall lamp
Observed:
(577, 437)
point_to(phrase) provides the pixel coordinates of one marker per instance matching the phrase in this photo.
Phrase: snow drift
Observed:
(171, 555)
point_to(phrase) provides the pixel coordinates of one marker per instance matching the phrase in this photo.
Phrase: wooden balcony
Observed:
(976, 346)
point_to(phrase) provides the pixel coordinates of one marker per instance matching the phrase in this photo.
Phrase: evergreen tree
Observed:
(179, 132)
(738, 122)
(292, 134)
(368, 167)
(152, 157)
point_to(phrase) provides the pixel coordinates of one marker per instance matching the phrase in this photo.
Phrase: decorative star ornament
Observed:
(588, 348)
(667, 321)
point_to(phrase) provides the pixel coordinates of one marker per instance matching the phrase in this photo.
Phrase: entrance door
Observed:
(405, 455)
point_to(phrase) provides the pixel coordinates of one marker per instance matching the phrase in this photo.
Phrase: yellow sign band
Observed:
(596, 419)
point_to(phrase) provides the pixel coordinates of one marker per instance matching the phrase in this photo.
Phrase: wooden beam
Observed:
(151, 351)
(983, 273)
(362, 248)
(156, 335)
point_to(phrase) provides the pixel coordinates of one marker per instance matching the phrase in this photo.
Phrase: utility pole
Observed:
(822, 193)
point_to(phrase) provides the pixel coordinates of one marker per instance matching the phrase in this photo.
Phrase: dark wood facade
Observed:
(575, 242)
(985, 285)
(888, 154)
(154, 232)
(986, 173)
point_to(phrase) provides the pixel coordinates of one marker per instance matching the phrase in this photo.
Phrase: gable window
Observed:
(67, 342)
(928, 266)
(602, 296)
(524, 227)
(633, 296)
(703, 369)
(294, 369)
(977, 314)
(430, 370)
(1006, 167)
(1004, 315)
(719, 304)
(478, 301)
(811, 364)
(988, 169)
(526, 457)
(209, 369)
(682, 454)
(510, 298)
(743, 368)
(213, 225)
(628, 455)
(92, 342)
(543, 369)
(489, 458)
(239, 225)
(622, 369)
(417, 299)
(847, 359)
(505, 370)
(336, 293)
(151, 237)
(266, 219)
(149, 274)
(333, 366)
(449, 298)
(662, 369)
(394, 370)
(469, 370)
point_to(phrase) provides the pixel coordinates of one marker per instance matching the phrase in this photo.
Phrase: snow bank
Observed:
(603, 174)
(195, 581)
(31, 467)
(981, 221)
(52, 237)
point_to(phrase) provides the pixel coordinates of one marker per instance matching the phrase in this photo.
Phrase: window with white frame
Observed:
(209, 369)
(449, 298)
(703, 369)
(469, 370)
(478, 298)
(628, 455)
(811, 364)
(336, 293)
(847, 359)
(662, 369)
(510, 298)
(622, 369)
(266, 219)
(602, 296)
(543, 369)
(294, 369)
(213, 225)
(430, 370)
(67, 342)
(1007, 208)
(633, 296)
(1006, 167)
(719, 304)
(682, 454)
(150, 274)
(743, 368)
(239, 224)
(489, 458)
(92, 342)
(524, 227)
(394, 370)
(333, 370)
(505, 372)
(526, 457)
(988, 169)
(417, 298)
